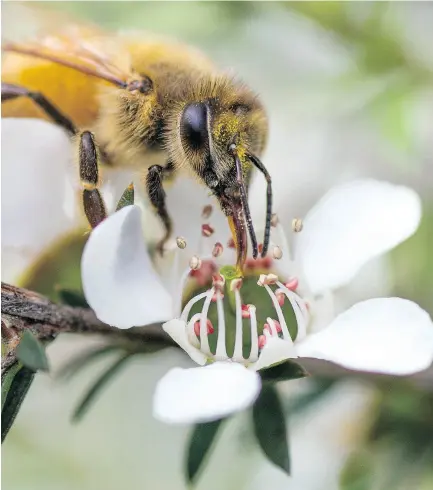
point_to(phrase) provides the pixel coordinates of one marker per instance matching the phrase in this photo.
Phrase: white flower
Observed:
(38, 200)
(350, 225)
(41, 193)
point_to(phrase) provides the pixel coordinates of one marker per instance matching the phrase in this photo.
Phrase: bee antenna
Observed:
(259, 165)
(244, 200)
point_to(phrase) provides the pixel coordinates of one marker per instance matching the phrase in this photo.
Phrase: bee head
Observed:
(218, 128)
(216, 115)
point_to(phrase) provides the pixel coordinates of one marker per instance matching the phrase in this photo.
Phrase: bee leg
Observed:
(156, 193)
(94, 207)
(11, 91)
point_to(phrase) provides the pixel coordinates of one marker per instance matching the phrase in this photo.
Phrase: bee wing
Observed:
(87, 50)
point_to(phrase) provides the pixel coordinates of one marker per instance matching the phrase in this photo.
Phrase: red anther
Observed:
(217, 249)
(277, 324)
(292, 284)
(207, 230)
(260, 248)
(261, 341)
(231, 243)
(246, 311)
(218, 281)
(267, 327)
(281, 297)
(209, 327)
(207, 211)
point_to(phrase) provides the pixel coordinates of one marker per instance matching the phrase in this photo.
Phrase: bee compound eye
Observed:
(193, 125)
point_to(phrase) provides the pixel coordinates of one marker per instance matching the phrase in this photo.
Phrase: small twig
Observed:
(23, 309)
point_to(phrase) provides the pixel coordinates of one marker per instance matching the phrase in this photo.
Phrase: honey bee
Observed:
(133, 101)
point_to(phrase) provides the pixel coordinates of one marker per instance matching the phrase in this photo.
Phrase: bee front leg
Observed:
(156, 193)
(11, 91)
(94, 207)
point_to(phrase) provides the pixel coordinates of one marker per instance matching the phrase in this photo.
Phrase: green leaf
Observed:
(96, 388)
(71, 297)
(283, 372)
(270, 427)
(18, 387)
(7, 379)
(127, 197)
(80, 362)
(32, 353)
(200, 443)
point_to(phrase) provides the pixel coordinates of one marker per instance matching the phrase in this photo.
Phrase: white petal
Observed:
(36, 191)
(119, 280)
(274, 351)
(384, 335)
(204, 394)
(352, 224)
(177, 331)
(186, 199)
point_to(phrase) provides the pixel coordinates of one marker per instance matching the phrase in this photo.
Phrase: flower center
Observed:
(229, 317)
(232, 318)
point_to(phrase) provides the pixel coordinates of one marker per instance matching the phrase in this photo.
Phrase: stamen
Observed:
(181, 242)
(273, 327)
(173, 283)
(204, 341)
(217, 250)
(183, 279)
(195, 262)
(265, 279)
(207, 230)
(218, 281)
(215, 296)
(245, 311)
(297, 225)
(185, 313)
(235, 284)
(231, 243)
(209, 327)
(267, 327)
(207, 211)
(282, 240)
(300, 314)
(281, 297)
(190, 330)
(237, 354)
(277, 253)
(274, 220)
(221, 351)
(285, 330)
(254, 353)
(261, 342)
(292, 284)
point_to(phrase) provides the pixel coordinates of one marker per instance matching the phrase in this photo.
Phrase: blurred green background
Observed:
(349, 91)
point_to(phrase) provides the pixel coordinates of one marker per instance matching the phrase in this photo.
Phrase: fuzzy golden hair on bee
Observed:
(234, 112)
(150, 104)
